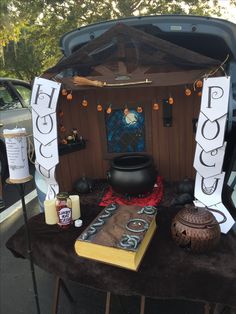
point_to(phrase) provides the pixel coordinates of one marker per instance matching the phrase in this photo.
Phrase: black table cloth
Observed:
(166, 270)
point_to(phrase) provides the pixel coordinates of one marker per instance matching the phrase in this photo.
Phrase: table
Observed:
(166, 271)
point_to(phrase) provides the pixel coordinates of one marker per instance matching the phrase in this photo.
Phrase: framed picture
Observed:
(125, 133)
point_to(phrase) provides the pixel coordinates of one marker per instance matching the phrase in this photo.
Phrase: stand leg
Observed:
(142, 304)
(108, 303)
(56, 296)
(22, 195)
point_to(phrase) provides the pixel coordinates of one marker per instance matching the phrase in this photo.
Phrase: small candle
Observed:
(51, 217)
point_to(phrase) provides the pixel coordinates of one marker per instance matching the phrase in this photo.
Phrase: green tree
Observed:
(30, 29)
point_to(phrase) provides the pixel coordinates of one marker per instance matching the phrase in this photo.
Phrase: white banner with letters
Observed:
(210, 147)
(44, 102)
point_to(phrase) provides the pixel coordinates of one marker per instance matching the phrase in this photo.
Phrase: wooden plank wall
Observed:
(172, 148)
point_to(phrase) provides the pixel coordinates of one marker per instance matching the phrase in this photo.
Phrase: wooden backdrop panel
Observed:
(172, 147)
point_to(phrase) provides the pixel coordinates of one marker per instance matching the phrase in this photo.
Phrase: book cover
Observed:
(119, 235)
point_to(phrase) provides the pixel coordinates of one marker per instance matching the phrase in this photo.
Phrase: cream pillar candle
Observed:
(51, 217)
(75, 207)
(16, 146)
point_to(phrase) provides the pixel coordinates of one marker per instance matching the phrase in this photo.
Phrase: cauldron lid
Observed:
(196, 216)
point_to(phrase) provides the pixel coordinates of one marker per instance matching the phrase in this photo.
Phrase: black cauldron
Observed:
(132, 174)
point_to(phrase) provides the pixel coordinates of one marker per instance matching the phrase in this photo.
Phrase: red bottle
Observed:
(64, 210)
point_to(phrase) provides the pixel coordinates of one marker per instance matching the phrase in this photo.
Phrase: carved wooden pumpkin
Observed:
(196, 229)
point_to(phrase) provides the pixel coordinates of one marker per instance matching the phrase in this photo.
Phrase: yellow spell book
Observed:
(119, 235)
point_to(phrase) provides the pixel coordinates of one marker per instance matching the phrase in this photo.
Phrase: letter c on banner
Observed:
(203, 163)
(41, 153)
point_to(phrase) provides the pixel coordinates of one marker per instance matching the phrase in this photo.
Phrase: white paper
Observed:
(209, 164)
(210, 135)
(47, 155)
(44, 102)
(208, 190)
(44, 96)
(215, 97)
(44, 128)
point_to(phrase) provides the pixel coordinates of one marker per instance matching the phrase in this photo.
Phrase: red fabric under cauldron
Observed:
(150, 199)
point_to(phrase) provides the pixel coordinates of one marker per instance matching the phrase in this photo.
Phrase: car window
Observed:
(25, 93)
(7, 99)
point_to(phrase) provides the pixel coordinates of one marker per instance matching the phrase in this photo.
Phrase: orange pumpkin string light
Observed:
(139, 109)
(199, 83)
(187, 91)
(155, 106)
(109, 109)
(99, 107)
(69, 96)
(84, 103)
(171, 100)
(64, 92)
(199, 94)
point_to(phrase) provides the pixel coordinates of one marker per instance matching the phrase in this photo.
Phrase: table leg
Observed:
(142, 304)
(108, 302)
(209, 308)
(58, 285)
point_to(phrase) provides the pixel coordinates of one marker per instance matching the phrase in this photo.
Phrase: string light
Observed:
(139, 109)
(99, 107)
(109, 109)
(84, 103)
(187, 91)
(64, 92)
(171, 100)
(69, 96)
(199, 84)
(155, 106)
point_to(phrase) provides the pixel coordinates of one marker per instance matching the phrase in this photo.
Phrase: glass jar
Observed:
(64, 210)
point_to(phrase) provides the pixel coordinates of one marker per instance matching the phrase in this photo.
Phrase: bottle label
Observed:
(64, 215)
